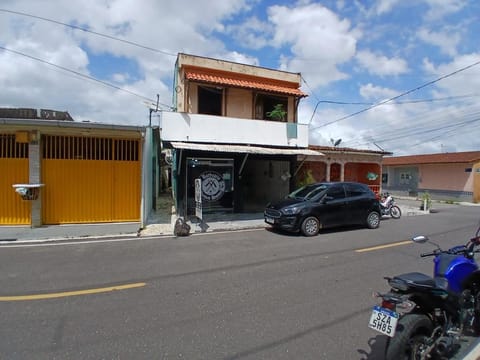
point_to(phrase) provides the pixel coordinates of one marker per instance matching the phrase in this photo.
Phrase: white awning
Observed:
(245, 149)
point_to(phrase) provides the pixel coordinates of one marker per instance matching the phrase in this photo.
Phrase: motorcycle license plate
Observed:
(383, 321)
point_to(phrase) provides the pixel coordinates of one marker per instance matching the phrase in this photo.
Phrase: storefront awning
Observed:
(245, 149)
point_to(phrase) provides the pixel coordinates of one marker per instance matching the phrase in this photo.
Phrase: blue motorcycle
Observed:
(426, 317)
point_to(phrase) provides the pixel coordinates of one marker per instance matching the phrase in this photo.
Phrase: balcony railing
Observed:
(187, 127)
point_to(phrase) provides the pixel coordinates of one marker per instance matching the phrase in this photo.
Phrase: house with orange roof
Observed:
(445, 176)
(232, 141)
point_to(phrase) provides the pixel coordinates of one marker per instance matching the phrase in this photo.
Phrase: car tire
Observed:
(373, 220)
(310, 226)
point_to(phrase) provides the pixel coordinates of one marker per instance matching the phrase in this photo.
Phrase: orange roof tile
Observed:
(459, 157)
(331, 149)
(248, 83)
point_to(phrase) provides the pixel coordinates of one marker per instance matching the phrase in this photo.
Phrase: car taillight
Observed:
(388, 305)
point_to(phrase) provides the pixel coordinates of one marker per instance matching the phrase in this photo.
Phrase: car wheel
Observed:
(373, 220)
(310, 226)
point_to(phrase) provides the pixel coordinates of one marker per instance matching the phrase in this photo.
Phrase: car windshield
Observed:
(307, 192)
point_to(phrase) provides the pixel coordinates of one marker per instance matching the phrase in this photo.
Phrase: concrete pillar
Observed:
(34, 164)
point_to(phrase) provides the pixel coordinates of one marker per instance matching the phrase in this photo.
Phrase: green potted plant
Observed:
(278, 113)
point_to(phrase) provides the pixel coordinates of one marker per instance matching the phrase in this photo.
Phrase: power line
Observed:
(83, 75)
(446, 126)
(89, 31)
(398, 96)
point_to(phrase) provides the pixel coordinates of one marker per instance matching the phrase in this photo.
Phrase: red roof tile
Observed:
(347, 150)
(248, 83)
(459, 157)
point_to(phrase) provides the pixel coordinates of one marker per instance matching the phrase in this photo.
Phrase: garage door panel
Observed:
(91, 180)
(127, 190)
(13, 210)
(77, 191)
(14, 169)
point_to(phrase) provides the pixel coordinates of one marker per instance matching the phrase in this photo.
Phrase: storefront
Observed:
(230, 178)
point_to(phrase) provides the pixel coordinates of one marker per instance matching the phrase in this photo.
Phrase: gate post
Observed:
(34, 177)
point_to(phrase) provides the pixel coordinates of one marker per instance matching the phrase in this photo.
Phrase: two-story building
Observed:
(235, 129)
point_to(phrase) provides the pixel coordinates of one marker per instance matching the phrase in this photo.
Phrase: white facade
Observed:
(175, 126)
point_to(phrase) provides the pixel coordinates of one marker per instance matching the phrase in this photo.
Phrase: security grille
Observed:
(89, 148)
(10, 149)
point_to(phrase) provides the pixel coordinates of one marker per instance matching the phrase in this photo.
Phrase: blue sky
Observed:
(353, 56)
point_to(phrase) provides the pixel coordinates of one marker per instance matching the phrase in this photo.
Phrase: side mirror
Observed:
(420, 239)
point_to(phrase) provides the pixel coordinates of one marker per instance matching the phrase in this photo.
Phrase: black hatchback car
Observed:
(322, 205)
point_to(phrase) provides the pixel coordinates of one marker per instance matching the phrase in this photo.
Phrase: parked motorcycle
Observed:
(426, 317)
(389, 207)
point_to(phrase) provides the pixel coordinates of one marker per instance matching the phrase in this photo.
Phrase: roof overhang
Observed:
(217, 78)
(245, 149)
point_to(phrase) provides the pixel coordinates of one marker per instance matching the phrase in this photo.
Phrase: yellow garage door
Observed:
(90, 179)
(13, 170)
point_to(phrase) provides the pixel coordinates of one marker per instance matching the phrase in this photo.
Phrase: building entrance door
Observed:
(217, 186)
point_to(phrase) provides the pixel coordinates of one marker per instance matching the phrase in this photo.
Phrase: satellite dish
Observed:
(337, 142)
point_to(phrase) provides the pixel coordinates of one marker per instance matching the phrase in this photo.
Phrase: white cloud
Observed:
(441, 8)
(385, 6)
(463, 81)
(253, 33)
(447, 42)
(169, 26)
(318, 39)
(376, 93)
(381, 65)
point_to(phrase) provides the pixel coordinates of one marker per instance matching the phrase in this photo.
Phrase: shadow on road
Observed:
(377, 348)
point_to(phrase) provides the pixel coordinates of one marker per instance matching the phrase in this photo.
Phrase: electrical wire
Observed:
(83, 75)
(89, 31)
(398, 96)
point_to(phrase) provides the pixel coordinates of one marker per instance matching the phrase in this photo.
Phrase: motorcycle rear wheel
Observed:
(395, 212)
(410, 338)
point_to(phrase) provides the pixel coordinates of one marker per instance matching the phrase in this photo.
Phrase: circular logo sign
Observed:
(213, 185)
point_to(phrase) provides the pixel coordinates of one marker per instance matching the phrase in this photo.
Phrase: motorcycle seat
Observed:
(416, 279)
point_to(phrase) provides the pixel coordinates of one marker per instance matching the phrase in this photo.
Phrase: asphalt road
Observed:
(236, 295)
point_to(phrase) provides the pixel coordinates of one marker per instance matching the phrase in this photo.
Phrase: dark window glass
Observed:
(265, 104)
(210, 100)
(355, 190)
(336, 192)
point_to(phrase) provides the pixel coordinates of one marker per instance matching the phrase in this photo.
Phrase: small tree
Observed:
(426, 201)
(278, 113)
(306, 179)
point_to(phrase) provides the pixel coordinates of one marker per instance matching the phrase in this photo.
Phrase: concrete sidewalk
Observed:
(160, 224)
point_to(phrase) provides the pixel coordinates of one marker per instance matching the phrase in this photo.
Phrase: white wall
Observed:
(187, 127)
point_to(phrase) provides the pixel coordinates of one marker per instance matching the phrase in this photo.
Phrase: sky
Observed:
(401, 76)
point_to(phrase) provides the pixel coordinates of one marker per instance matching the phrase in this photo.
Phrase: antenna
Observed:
(152, 109)
(378, 146)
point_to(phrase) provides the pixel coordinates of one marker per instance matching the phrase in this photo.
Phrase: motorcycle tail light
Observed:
(388, 305)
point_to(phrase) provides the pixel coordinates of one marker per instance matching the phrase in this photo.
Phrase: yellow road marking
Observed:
(383, 246)
(70, 293)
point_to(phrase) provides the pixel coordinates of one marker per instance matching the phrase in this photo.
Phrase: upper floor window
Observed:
(210, 100)
(267, 106)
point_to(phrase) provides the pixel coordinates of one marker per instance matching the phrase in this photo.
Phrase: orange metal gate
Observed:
(90, 179)
(13, 170)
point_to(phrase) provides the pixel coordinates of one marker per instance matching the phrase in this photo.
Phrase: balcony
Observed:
(200, 128)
